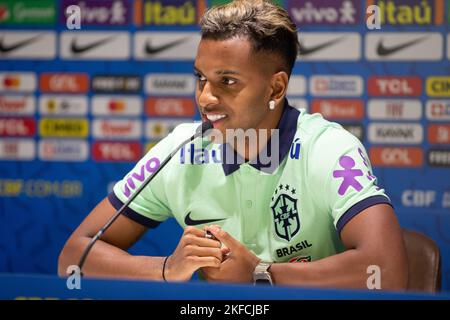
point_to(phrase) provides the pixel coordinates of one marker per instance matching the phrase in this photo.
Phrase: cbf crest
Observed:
(285, 213)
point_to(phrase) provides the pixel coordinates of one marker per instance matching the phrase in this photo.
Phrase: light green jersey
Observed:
(293, 212)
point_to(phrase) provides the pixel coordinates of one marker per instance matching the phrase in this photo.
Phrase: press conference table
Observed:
(26, 286)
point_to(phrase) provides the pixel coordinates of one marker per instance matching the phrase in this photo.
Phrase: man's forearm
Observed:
(106, 260)
(345, 270)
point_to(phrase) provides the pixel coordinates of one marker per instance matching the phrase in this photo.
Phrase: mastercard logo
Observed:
(116, 106)
(11, 82)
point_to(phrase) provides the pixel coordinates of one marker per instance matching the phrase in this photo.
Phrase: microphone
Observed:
(199, 132)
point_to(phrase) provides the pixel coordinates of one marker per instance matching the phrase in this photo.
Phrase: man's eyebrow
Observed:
(227, 72)
(196, 70)
(220, 72)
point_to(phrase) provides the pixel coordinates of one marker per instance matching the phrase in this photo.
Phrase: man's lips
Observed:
(213, 117)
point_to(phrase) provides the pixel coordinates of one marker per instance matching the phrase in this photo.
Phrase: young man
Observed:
(317, 202)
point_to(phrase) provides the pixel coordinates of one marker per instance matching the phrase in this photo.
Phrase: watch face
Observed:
(262, 278)
(262, 281)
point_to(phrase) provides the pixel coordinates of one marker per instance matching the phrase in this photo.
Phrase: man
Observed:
(318, 203)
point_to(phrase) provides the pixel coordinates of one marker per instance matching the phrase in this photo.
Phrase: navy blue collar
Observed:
(287, 129)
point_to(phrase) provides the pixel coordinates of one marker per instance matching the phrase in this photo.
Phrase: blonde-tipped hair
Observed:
(267, 26)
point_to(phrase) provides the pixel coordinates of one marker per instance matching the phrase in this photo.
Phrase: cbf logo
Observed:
(285, 213)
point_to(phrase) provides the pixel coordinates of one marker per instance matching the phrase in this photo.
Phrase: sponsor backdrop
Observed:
(79, 107)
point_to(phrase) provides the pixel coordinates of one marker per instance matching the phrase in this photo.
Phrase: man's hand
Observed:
(194, 251)
(238, 263)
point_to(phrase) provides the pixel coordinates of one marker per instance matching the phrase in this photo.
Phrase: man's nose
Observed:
(206, 96)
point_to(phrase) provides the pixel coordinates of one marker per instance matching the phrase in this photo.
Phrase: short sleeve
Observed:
(150, 207)
(342, 176)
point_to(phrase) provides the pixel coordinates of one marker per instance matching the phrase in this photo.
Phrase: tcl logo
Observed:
(395, 86)
(64, 82)
(170, 107)
(396, 157)
(17, 127)
(116, 151)
(439, 133)
(418, 198)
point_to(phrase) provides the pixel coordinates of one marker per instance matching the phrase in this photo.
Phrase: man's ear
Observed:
(279, 85)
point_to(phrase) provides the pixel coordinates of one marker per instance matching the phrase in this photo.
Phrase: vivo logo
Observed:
(325, 12)
(134, 179)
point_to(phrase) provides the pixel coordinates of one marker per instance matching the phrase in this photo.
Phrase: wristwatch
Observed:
(261, 274)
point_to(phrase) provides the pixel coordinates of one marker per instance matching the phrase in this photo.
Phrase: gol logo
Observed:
(439, 133)
(64, 82)
(396, 157)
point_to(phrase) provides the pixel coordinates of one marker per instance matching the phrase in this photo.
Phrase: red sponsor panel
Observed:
(395, 86)
(439, 133)
(116, 151)
(64, 82)
(396, 157)
(339, 109)
(17, 127)
(169, 107)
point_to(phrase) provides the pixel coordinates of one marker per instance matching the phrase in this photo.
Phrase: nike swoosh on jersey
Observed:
(11, 47)
(191, 222)
(382, 50)
(304, 51)
(77, 49)
(150, 49)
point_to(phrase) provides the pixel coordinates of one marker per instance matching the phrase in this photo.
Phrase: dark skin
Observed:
(236, 82)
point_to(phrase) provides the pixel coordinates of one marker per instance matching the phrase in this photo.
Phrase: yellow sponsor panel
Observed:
(64, 128)
(438, 86)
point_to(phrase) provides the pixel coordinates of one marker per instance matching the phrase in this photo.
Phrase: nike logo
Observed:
(382, 50)
(304, 51)
(150, 49)
(191, 222)
(77, 49)
(11, 47)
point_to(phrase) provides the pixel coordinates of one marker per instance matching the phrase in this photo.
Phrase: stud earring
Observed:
(272, 104)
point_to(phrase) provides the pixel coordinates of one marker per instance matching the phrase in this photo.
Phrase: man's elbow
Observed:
(66, 259)
(62, 265)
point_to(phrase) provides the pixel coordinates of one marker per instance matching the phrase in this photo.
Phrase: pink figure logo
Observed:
(348, 175)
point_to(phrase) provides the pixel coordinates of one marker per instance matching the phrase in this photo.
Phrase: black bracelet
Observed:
(164, 268)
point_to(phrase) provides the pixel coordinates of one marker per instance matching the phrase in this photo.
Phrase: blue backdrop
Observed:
(47, 186)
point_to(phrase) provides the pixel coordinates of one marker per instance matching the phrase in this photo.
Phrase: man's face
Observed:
(233, 87)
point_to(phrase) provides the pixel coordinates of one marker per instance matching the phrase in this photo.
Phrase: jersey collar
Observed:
(287, 126)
